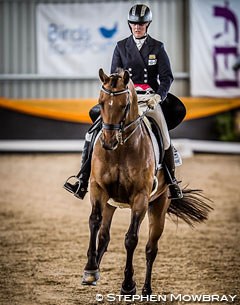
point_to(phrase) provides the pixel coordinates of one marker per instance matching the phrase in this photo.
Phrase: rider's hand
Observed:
(153, 101)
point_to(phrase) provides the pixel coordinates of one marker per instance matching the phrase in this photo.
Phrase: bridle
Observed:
(121, 127)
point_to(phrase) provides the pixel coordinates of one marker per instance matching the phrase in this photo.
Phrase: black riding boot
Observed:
(79, 188)
(169, 170)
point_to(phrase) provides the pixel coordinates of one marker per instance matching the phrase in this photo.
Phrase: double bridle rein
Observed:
(121, 127)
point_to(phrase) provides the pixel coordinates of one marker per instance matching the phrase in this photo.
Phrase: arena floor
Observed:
(44, 235)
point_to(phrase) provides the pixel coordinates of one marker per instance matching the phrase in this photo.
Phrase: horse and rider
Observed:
(149, 68)
(119, 155)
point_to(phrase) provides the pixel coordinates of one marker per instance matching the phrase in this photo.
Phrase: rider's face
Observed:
(139, 29)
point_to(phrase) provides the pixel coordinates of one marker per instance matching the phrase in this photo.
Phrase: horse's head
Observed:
(115, 105)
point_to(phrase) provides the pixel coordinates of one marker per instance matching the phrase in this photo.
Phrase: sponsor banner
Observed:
(78, 39)
(215, 47)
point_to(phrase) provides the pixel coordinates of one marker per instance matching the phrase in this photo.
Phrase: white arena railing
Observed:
(186, 147)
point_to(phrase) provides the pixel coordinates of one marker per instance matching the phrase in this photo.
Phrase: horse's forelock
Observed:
(114, 79)
(117, 75)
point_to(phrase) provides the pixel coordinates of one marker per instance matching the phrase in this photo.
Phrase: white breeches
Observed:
(158, 117)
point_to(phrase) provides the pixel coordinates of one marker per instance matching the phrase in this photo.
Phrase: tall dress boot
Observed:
(79, 188)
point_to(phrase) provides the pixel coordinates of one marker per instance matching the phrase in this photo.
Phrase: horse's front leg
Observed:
(104, 233)
(139, 209)
(91, 272)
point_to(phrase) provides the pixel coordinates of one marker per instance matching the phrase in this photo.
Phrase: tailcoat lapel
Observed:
(146, 49)
(134, 53)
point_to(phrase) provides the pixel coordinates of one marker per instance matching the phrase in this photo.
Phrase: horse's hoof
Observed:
(128, 292)
(146, 291)
(90, 277)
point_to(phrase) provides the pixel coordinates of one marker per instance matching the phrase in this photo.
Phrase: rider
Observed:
(147, 62)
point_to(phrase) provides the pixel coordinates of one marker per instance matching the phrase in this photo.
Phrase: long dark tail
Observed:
(192, 208)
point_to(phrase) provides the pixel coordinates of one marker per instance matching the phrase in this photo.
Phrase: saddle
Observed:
(157, 142)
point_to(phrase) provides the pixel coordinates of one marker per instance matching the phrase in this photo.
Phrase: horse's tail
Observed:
(192, 208)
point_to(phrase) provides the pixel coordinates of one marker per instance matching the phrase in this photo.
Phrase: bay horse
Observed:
(123, 169)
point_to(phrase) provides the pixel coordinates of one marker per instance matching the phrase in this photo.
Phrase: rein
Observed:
(121, 127)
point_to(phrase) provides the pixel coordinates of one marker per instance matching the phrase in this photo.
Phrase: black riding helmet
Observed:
(140, 13)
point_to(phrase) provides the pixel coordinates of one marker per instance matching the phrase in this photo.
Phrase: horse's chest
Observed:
(118, 183)
(115, 176)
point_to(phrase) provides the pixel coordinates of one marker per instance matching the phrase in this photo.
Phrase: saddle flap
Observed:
(155, 143)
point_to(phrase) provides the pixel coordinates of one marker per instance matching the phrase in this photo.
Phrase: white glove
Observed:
(153, 101)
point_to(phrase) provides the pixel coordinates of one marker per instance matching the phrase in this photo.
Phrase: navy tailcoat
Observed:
(149, 66)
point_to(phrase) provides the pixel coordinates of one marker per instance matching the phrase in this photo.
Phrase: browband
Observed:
(112, 93)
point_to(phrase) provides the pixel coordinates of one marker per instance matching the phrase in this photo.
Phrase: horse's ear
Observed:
(126, 77)
(104, 78)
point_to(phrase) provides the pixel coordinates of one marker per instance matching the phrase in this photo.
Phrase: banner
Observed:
(77, 110)
(78, 39)
(214, 47)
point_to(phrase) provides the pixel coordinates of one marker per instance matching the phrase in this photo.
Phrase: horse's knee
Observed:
(95, 220)
(104, 238)
(131, 241)
(151, 252)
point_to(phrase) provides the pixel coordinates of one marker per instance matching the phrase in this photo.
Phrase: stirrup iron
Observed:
(67, 185)
(175, 189)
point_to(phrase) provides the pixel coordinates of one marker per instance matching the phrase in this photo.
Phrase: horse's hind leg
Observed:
(104, 233)
(91, 272)
(156, 214)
